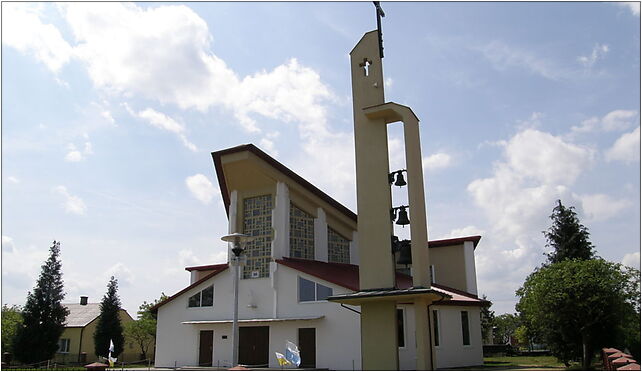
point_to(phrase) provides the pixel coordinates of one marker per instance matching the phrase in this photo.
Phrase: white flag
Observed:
(111, 346)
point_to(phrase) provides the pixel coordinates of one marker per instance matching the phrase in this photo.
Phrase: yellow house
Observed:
(76, 344)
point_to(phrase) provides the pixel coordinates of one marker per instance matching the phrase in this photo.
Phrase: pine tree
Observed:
(43, 314)
(568, 238)
(109, 327)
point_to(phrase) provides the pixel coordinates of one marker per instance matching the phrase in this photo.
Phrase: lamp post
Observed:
(238, 240)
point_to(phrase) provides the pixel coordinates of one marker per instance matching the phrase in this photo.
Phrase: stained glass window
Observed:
(257, 222)
(301, 233)
(338, 247)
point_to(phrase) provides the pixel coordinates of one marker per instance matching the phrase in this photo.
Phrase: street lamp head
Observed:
(238, 240)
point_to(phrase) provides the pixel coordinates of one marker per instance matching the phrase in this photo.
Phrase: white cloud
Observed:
(618, 119)
(436, 161)
(469, 230)
(626, 148)
(72, 204)
(601, 206)
(613, 121)
(599, 51)
(7, 243)
(75, 155)
(633, 6)
(13, 179)
(546, 158)
(23, 29)
(164, 122)
(388, 83)
(503, 57)
(632, 260)
(121, 272)
(112, 36)
(536, 169)
(201, 187)
(588, 125)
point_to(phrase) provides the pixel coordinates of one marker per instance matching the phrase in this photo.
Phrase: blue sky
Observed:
(110, 112)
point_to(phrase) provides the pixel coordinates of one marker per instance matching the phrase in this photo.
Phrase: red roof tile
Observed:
(622, 361)
(610, 350)
(630, 367)
(347, 276)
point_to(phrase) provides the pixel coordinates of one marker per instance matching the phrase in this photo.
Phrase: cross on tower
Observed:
(366, 66)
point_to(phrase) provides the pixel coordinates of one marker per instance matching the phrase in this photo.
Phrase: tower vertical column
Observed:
(378, 319)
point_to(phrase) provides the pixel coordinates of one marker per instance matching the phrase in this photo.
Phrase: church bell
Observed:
(400, 180)
(403, 217)
(405, 254)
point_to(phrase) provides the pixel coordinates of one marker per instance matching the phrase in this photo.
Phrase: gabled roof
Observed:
(81, 315)
(217, 269)
(220, 174)
(347, 276)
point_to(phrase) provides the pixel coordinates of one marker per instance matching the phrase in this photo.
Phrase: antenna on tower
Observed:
(380, 14)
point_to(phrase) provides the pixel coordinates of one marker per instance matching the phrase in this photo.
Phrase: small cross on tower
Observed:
(366, 66)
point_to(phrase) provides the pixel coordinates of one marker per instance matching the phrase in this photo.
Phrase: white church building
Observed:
(305, 249)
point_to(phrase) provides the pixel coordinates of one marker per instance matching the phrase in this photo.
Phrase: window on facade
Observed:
(301, 233)
(202, 298)
(311, 291)
(465, 331)
(63, 345)
(257, 222)
(338, 247)
(401, 339)
(435, 324)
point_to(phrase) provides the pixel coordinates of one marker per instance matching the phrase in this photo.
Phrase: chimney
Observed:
(83, 300)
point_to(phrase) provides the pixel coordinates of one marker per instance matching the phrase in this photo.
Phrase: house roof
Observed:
(217, 269)
(347, 276)
(220, 174)
(454, 241)
(81, 315)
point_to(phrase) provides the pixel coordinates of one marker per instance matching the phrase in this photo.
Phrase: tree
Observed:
(142, 331)
(487, 320)
(109, 327)
(568, 238)
(579, 306)
(11, 322)
(43, 314)
(505, 325)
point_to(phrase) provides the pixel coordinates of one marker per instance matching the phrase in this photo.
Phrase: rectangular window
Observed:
(401, 337)
(63, 345)
(311, 291)
(257, 222)
(432, 274)
(301, 233)
(435, 324)
(306, 290)
(338, 247)
(202, 298)
(464, 328)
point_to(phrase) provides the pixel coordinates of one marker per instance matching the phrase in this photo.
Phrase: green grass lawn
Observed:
(517, 363)
(523, 362)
